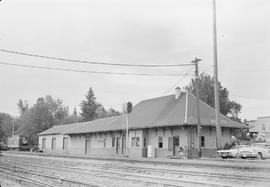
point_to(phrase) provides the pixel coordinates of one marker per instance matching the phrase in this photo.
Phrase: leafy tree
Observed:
(6, 125)
(22, 105)
(74, 118)
(112, 112)
(45, 113)
(206, 87)
(90, 106)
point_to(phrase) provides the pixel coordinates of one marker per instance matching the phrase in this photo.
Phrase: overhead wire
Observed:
(244, 97)
(90, 62)
(92, 72)
(180, 80)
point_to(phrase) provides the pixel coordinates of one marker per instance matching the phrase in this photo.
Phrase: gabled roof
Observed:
(156, 112)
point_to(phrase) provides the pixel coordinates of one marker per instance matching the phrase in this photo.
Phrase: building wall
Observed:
(102, 143)
(59, 143)
(98, 144)
(262, 127)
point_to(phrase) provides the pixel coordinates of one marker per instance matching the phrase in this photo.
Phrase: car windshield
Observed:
(239, 146)
(259, 145)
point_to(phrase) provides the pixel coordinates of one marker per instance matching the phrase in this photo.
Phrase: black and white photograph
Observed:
(134, 93)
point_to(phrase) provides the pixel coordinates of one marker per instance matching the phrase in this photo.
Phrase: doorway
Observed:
(175, 145)
(117, 145)
(87, 145)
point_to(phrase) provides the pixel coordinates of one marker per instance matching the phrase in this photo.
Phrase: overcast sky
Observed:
(139, 32)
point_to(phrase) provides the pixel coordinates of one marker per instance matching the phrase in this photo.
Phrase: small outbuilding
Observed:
(158, 127)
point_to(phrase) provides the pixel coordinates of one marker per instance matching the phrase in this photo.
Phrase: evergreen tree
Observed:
(90, 106)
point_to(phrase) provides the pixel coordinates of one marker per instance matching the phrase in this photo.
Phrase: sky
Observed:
(135, 32)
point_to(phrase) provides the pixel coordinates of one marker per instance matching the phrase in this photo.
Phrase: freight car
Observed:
(18, 142)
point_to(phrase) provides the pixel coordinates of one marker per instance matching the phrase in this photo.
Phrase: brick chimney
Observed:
(178, 92)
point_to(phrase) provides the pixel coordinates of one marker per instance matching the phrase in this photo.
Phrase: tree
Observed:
(6, 126)
(112, 112)
(45, 113)
(206, 87)
(74, 118)
(90, 106)
(22, 105)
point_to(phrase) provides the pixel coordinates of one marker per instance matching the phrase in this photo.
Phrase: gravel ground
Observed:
(7, 183)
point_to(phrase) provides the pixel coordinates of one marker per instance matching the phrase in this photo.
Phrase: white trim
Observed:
(186, 110)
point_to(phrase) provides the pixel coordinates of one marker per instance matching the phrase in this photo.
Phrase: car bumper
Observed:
(247, 155)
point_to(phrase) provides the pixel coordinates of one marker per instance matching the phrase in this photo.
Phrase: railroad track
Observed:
(113, 175)
(129, 175)
(25, 177)
(168, 171)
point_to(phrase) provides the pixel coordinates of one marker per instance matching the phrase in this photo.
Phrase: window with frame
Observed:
(263, 127)
(43, 143)
(53, 143)
(135, 142)
(160, 142)
(202, 141)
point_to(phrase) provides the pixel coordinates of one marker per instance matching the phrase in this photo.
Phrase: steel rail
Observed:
(11, 170)
(128, 176)
(184, 172)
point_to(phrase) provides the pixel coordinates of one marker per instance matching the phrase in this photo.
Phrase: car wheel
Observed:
(259, 156)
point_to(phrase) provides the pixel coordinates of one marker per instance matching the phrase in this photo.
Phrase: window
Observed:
(135, 142)
(113, 141)
(263, 127)
(202, 141)
(65, 143)
(43, 143)
(160, 142)
(53, 143)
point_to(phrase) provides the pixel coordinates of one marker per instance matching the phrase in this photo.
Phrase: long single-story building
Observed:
(158, 127)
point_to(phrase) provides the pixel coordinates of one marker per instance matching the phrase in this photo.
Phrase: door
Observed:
(175, 145)
(65, 143)
(123, 144)
(118, 145)
(87, 146)
(43, 143)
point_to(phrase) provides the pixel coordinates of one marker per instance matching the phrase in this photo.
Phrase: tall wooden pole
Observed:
(216, 83)
(195, 62)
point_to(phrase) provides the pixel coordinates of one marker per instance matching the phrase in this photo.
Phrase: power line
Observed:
(244, 97)
(180, 80)
(91, 62)
(92, 72)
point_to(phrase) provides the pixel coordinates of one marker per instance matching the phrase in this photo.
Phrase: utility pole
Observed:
(13, 128)
(127, 135)
(195, 62)
(125, 119)
(216, 83)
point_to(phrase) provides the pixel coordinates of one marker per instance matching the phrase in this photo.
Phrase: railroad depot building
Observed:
(158, 127)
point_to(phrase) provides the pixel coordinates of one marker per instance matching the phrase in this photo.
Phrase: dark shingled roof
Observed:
(156, 112)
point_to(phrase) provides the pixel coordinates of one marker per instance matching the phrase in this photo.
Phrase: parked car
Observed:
(257, 150)
(231, 153)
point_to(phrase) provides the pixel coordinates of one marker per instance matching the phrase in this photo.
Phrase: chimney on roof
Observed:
(178, 92)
